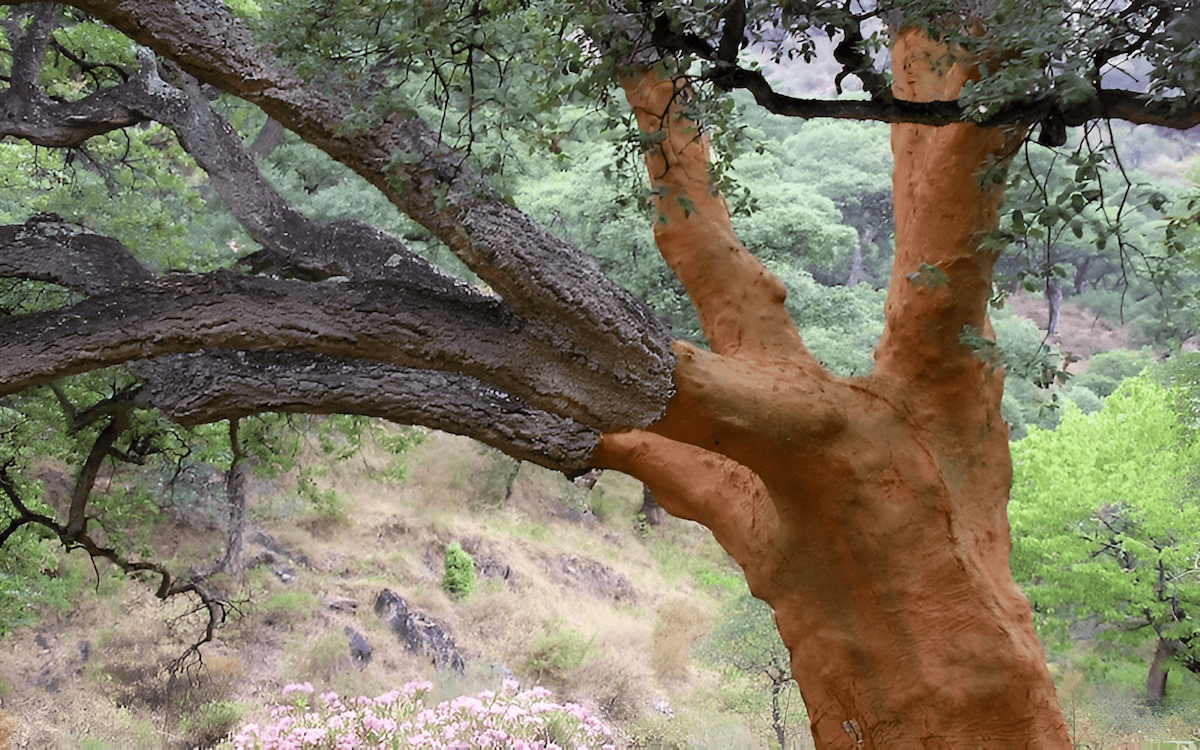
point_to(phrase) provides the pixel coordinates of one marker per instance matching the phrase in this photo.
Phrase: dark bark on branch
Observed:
(86, 480)
(450, 329)
(27, 112)
(48, 249)
(267, 139)
(221, 384)
(556, 295)
(213, 385)
(542, 278)
(1107, 103)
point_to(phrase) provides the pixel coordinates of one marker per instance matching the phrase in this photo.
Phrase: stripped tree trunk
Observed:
(870, 513)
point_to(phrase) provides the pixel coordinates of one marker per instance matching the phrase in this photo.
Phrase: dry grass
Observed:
(681, 623)
(617, 655)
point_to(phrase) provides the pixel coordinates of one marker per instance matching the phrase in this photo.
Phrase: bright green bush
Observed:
(459, 576)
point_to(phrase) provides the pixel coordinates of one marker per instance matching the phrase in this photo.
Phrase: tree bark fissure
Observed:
(408, 327)
(208, 386)
(221, 384)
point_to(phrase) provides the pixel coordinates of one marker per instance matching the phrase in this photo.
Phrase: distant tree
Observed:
(1105, 514)
(746, 641)
(850, 165)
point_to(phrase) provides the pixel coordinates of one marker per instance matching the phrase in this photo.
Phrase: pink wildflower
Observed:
(388, 698)
(298, 687)
(417, 686)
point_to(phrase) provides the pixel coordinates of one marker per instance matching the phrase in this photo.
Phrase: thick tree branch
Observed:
(543, 278)
(941, 277)
(738, 301)
(46, 248)
(213, 385)
(293, 245)
(706, 487)
(221, 384)
(27, 112)
(1119, 104)
(425, 320)
(456, 330)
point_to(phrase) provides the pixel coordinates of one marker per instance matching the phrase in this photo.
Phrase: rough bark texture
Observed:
(557, 299)
(544, 279)
(552, 293)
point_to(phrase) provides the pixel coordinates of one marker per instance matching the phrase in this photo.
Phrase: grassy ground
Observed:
(596, 605)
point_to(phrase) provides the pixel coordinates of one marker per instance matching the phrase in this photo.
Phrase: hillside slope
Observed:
(575, 592)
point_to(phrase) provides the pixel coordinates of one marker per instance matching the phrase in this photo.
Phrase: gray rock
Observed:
(341, 604)
(360, 650)
(418, 632)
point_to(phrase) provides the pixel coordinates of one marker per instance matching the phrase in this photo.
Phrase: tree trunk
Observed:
(778, 720)
(651, 510)
(857, 268)
(1054, 297)
(870, 513)
(233, 561)
(1156, 678)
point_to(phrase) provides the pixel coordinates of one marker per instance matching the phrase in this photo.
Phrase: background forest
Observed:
(592, 591)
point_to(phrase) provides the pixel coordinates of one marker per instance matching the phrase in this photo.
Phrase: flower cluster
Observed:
(507, 718)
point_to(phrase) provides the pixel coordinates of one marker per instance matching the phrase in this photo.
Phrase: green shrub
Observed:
(459, 576)
(289, 605)
(1106, 370)
(555, 656)
(210, 723)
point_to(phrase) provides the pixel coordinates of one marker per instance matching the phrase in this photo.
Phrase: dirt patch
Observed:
(592, 576)
(1081, 332)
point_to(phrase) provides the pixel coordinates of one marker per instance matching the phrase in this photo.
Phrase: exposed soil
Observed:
(1081, 332)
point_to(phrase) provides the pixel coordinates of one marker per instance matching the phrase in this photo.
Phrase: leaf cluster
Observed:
(1105, 518)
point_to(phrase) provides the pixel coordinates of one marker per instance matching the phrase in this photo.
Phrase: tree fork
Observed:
(870, 513)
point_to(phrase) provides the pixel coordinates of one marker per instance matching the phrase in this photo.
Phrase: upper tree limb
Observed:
(738, 301)
(544, 279)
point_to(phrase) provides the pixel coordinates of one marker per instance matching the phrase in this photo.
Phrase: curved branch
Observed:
(738, 301)
(45, 248)
(27, 112)
(1179, 113)
(542, 278)
(706, 487)
(454, 329)
(101, 448)
(220, 384)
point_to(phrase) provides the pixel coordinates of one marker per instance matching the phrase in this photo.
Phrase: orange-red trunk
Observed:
(868, 512)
